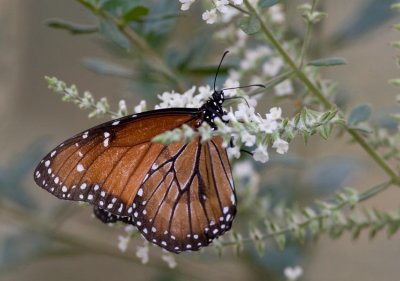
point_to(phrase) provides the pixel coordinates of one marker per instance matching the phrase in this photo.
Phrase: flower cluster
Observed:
(244, 128)
(221, 7)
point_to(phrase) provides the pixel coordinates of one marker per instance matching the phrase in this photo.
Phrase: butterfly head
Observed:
(213, 108)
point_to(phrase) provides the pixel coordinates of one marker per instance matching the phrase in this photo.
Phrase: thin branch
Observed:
(156, 61)
(318, 94)
(307, 36)
(371, 192)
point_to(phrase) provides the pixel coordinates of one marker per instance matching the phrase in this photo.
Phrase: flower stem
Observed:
(318, 94)
(307, 36)
(371, 192)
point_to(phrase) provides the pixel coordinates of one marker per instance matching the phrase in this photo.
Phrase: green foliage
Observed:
(267, 3)
(359, 114)
(328, 62)
(73, 28)
(250, 25)
(143, 33)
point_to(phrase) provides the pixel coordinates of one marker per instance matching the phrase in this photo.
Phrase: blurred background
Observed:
(33, 120)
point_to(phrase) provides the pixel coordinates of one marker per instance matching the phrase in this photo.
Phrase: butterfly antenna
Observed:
(248, 86)
(219, 66)
(239, 97)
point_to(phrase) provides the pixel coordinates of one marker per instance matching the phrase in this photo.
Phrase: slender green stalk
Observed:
(371, 192)
(239, 9)
(156, 61)
(318, 94)
(307, 36)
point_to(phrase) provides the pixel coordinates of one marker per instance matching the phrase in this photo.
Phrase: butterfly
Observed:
(180, 196)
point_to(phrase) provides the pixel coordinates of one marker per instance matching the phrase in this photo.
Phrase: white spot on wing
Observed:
(83, 186)
(233, 199)
(53, 153)
(80, 168)
(115, 123)
(47, 163)
(140, 192)
(225, 210)
(106, 142)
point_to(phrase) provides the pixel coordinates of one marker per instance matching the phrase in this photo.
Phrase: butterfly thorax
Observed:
(213, 109)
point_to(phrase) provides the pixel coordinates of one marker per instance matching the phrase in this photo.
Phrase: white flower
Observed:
(228, 14)
(189, 100)
(293, 273)
(247, 139)
(275, 113)
(233, 152)
(277, 14)
(170, 260)
(205, 131)
(230, 117)
(261, 154)
(268, 125)
(281, 146)
(210, 16)
(237, 2)
(123, 243)
(186, 4)
(87, 100)
(273, 66)
(230, 83)
(140, 107)
(283, 89)
(205, 92)
(129, 228)
(245, 113)
(122, 110)
(142, 252)
(222, 6)
(253, 55)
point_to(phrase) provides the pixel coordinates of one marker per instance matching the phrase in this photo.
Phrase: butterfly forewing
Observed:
(187, 199)
(106, 164)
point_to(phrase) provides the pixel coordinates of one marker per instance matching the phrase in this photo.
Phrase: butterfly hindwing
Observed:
(187, 199)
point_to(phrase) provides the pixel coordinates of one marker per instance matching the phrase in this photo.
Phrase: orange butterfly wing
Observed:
(180, 196)
(106, 164)
(187, 199)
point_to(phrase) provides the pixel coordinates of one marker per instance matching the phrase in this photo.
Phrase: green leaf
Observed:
(280, 241)
(392, 229)
(267, 3)
(325, 131)
(112, 33)
(120, 6)
(250, 25)
(359, 114)
(395, 82)
(328, 62)
(72, 27)
(135, 14)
